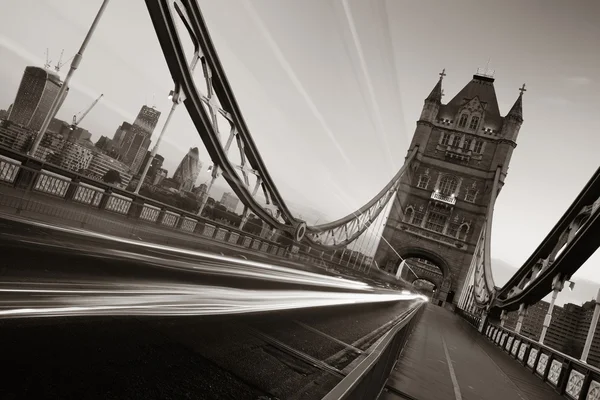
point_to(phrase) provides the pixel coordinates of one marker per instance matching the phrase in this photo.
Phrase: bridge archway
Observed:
(425, 286)
(427, 265)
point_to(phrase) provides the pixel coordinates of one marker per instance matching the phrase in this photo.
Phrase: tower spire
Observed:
(437, 92)
(517, 109)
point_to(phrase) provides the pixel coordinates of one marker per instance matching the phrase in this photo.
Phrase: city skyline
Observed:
(558, 106)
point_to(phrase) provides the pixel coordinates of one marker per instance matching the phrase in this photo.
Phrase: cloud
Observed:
(556, 101)
(579, 80)
(295, 80)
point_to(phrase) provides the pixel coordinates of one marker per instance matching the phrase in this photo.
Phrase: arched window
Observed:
(474, 122)
(423, 181)
(462, 122)
(463, 231)
(448, 185)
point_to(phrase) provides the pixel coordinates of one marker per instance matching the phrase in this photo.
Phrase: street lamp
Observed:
(61, 92)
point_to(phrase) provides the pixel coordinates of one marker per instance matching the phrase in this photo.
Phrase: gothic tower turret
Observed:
(442, 202)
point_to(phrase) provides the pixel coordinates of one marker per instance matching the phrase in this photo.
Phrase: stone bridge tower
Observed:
(440, 207)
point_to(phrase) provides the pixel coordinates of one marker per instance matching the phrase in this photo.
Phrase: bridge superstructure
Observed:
(442, 198)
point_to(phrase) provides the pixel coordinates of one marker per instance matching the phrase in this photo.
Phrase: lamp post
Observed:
(61, 92)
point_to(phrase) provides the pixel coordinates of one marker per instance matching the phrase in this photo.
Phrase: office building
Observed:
(568, 328)
(134, 139)
(37, 91)
(188, 170)
(102, 163)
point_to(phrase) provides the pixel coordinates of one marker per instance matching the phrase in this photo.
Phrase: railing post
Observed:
(503, 317)
(522, 313)
(28, 173)
(104, 200)
(135, 209)
(72, 189)
(161, 216)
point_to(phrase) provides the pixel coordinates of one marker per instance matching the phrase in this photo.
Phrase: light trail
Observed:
(51, 299)
(202, 262)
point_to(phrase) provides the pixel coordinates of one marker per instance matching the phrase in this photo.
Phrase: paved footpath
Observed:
(447, 359)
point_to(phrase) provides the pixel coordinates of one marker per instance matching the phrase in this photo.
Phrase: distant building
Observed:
(200, 190)
(161, 174)
(156, 164)
(15, 137)
(134, 139)
(108, 147)
(568, 329)
(37, 91)
(120, 133)
(147, 119)
(230, 202)
(188, 170)
(101, 164)
(74, 157)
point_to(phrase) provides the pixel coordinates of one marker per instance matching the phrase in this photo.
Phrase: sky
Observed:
(331, 90)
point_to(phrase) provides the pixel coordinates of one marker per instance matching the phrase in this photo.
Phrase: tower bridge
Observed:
(294, 312)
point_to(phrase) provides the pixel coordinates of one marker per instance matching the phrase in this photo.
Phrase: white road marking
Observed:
(452, 374)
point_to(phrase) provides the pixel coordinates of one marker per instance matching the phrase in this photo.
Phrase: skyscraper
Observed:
(38, 89)
(188, 170)
(135, 139)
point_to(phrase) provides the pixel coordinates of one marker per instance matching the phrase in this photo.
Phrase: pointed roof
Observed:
(517, 109)
(436, 94)
(482, 87)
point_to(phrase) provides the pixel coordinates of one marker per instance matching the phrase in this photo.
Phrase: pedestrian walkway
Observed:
(447, 359)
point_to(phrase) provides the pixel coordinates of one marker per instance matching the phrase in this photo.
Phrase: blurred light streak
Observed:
(52, 299)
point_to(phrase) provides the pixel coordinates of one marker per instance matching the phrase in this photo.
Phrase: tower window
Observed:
(463, 231)
(478, 147)
(423, 182)
(467, 143)
(474, 123)
(448, 185)
(436, 222)
(417, 218)
(452, 230)
(462, 122)
(455, 141)
(471, 195)
(444, 139)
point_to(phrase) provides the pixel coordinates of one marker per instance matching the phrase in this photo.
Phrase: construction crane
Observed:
(85, 112)
(59, 63)
(48, 60)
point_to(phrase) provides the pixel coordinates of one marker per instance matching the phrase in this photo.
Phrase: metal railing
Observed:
(568, 376)
(473, 319)
(368, 379)
(30, 186)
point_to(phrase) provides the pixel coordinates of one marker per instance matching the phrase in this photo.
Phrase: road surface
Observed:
(93, 342)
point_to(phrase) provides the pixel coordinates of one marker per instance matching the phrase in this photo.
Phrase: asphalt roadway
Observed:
(157, 354)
